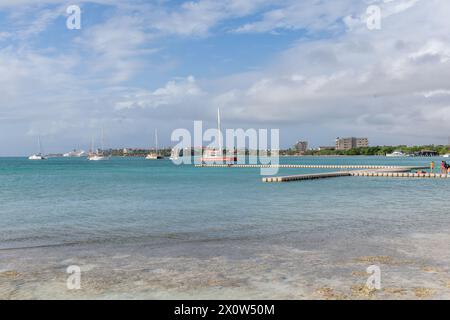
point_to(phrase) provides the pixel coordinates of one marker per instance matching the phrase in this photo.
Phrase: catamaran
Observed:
(38, 156)
(217, 155)
(155, 155)
(97, 155)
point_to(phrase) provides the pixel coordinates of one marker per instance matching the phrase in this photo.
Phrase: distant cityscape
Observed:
(349, 146)
(360, 146)
(342, 144)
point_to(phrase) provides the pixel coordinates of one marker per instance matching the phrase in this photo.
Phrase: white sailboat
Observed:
(97, 155)
(38, 156)
(75, 154)
(217, 155)
(155, 155)
(175, 154)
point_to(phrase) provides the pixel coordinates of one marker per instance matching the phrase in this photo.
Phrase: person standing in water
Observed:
(444, 167)
(432, 166)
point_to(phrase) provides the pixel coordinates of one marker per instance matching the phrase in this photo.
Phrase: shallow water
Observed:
(149, 229)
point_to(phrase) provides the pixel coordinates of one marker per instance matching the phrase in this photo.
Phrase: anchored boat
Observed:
(155, 155)
(217, 155)
(98, 155)
(38, 156)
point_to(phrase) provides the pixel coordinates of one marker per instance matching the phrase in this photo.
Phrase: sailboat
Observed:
(155, 155)
(175, 154)
(217, 155)
(38, 156)
(75, 154)
(98, 155)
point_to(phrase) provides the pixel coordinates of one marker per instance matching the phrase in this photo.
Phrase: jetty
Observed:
(346, 171)
(384, 174)
(313, 176)
(299, 166)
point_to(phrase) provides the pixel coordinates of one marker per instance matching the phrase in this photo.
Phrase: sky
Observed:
(311, 68)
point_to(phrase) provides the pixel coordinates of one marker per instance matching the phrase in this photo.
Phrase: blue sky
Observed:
(308, 67)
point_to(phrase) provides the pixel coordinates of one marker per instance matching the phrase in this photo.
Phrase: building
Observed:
(351, 143)
(426, 153)
(301, 146)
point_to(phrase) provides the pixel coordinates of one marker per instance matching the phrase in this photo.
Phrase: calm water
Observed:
(151, 210)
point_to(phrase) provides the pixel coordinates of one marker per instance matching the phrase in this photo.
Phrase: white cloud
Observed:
(175, 92)
(115, 48)
(311, 15)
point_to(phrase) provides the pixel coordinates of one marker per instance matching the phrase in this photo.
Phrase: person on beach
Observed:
(432, 166)
(443, 167)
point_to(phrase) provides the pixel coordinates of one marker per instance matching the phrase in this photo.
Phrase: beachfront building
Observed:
(351, 143)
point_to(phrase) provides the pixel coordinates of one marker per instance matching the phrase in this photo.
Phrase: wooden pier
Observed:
(400, 175)
(356, 171)
(404, 172)
(307, 177)
(297, 166)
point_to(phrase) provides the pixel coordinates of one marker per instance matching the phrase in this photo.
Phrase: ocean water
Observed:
(150, 229)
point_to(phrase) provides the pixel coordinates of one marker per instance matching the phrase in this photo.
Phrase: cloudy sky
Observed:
(311, 68)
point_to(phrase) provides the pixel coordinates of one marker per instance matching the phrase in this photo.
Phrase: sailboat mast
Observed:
(156, 141)
(219, 131)
(39, 145)
(92, 144)
(102, 142)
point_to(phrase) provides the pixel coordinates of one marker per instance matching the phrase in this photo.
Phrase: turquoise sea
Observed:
(150, 229)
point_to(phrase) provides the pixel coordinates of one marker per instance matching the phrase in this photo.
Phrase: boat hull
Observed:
(98, 158)
(219, 159)
(37, 157)
(152, 157)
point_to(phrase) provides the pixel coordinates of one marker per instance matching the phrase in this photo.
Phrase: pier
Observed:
(355, 171)
(400, 175)
(397, 172)
(300, 166)
(307, 177)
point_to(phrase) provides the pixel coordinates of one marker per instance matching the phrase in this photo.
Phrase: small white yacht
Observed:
(75, 154)
(98, 155)
(174, 154)
(38, 156)
(446, 155)
(155, 155)
(217, 155)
